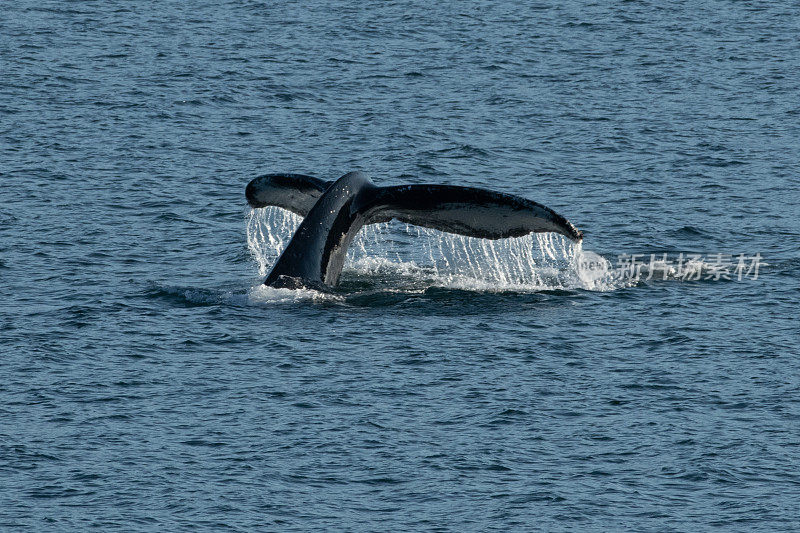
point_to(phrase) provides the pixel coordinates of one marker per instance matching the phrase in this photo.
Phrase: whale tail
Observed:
(335, 211)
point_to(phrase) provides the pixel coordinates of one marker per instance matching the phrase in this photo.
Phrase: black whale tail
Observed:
(335, 211)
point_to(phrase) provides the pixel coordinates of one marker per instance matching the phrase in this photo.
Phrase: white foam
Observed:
(262, 294)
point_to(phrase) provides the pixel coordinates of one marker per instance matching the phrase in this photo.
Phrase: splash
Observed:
(268, 232)
(419, 257)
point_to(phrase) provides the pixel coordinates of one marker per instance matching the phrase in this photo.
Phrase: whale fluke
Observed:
(335, 211)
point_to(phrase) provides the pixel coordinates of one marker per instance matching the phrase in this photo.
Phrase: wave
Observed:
(258, 295)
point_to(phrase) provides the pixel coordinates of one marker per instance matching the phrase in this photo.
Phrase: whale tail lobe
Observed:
(466, 211)
(295, 192)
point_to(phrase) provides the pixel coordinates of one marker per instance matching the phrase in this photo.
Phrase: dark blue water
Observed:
(147, 383)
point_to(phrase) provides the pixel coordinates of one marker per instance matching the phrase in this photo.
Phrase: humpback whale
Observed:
(334, 212)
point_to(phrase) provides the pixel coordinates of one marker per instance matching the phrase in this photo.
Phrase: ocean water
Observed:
(148, 382)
